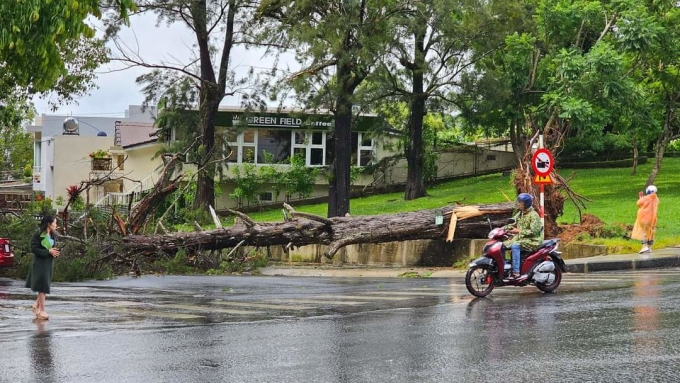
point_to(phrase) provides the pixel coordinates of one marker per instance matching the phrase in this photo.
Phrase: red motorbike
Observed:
(542, 267)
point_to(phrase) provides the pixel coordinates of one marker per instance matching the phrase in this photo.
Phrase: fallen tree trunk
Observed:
(305, 229)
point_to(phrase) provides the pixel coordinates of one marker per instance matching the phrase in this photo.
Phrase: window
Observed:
(266, 197)
(311, 146)
(263, 146)
(120, 162)
(274, 142)
(362, 149)
(240, 146)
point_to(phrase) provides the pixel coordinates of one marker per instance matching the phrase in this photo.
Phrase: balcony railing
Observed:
(101, 164)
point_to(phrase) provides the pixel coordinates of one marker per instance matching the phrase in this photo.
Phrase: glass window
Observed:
(249, 136)
(276, 142)
(302, 152)
(299, 138)
(317, 138)
(316, 157)
(231, 136)
(365, 157)
(362, 149)
(231, 153)
(248, 156)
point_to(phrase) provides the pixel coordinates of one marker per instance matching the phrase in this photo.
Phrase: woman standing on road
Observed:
(40, 273)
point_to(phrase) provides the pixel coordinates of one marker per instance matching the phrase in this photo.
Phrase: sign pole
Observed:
(541, 190)
(542, 207)
(542, 163)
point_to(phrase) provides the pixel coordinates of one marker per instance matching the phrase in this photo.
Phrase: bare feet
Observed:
(42, 316)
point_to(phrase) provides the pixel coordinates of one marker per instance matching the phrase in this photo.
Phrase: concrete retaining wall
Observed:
(428, 253)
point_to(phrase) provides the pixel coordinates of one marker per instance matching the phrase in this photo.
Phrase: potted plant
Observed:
(99, 154)
(101, 160)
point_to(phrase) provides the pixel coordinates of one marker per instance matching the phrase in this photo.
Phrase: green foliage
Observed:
(300, 179)
(593, 148)
(15, 142)
(612, 231)
(247, 182)
(240, 265)
(77, 264)
(50, 46)
(177, 264)
(41, 205)
(611, 204)
(272, 175)
(430, 167)
(100, 153)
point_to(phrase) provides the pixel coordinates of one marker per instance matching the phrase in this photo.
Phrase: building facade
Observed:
(62, 151)
(257, 139)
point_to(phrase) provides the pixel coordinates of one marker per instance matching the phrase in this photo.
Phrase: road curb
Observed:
(625, 264)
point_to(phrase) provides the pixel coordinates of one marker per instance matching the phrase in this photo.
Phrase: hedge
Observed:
(601, 164)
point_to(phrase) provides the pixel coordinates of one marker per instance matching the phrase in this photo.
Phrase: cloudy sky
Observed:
(117, 89)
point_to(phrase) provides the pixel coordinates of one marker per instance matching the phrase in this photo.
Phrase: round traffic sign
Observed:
(542, 162)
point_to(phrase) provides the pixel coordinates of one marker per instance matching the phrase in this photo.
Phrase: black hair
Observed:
(46, 220)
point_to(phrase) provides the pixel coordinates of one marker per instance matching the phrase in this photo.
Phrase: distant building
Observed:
(61, 152)
(129, 146)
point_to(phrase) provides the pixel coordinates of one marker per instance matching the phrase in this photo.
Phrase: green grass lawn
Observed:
(613, 193)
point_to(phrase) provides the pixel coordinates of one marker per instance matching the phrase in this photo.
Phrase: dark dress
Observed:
(42, 265)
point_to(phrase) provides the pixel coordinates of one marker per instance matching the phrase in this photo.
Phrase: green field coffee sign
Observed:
(289, 121)
(280, 121)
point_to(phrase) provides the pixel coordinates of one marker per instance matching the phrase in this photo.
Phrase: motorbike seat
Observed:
(548, 242)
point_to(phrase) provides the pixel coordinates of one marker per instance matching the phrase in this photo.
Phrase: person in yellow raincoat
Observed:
(645, 224)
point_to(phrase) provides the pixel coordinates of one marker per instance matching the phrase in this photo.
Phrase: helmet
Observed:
(651, 189)
(526, 199)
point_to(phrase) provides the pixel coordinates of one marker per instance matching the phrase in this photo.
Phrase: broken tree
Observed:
(300, 229)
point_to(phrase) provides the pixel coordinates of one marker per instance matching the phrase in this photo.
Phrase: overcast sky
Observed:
(117, 89)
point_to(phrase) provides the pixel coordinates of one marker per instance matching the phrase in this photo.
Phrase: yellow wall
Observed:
(72, 163)
(139, 165)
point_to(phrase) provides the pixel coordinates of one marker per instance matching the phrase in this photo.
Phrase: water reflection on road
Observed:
(614, 327)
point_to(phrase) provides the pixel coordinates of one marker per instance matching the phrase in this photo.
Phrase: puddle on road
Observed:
(160, 314)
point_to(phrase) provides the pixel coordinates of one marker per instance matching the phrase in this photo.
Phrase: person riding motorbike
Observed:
(527, 230)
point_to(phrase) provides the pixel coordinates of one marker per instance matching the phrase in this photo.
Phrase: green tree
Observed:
(16, 144)
(38, 35)
(651, 37)
(429, 56)
(337, 43)
(204, 81)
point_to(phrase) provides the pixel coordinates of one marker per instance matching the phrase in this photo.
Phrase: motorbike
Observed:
(542, 267)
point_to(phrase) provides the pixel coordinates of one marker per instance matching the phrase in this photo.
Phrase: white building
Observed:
(92, 133)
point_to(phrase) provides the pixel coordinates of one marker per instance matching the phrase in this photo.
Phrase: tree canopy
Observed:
(36, 34)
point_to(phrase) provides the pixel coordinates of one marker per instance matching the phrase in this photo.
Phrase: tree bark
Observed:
(636, 155)
(415, 158)
(338, 191)
(661, 144)
(306, 229)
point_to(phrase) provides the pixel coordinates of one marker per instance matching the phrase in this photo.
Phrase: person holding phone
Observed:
(42, 264)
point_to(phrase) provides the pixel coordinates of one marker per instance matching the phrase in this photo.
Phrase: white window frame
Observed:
(308, 146)
(241, 146)
(361, 148)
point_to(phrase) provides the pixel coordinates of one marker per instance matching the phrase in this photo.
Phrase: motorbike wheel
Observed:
(479, 281)
(550, 287)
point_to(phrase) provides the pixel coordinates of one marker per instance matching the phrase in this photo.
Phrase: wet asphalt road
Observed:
(614, 327)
